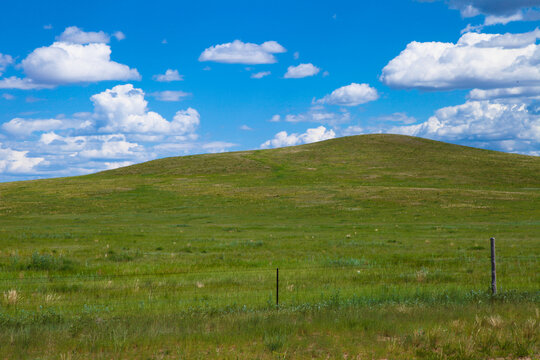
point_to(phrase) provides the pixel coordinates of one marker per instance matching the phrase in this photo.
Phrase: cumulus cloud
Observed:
(483, 61)
(17, 162)
(260, 75)
(301, 71)
(78, 57)
(238, 52)
(311, 135)
(170, 95)
(351, 95)
(512, 126)
(75, 35)
(66, 63)
(120, 131)
(124, 109)
(170, 75)
(275, 118)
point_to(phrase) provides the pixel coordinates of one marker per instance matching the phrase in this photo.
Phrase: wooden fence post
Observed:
(277, 286)
(493, 268)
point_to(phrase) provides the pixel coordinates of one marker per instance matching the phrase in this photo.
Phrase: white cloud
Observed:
(275, 118)
(124, 109)
(239, 52)
(311, 135)
(515, 92)
(296, 55)
(47, 27)
(397, 117)
(17, 162)
(218, 146)
(14, 82)
(65, 63)
(504, 125)
(471, 8)
(119, 35)
(116, 164)
(353, 130)
(170, 95)
(483, 61)
(111, 147)
(8, 96)
(319, 114)
(351, 95)
(18, 126)
(301, 71)
(170, 75)
(260, 75)
(74, 35)
(245, 128)
(5, 61)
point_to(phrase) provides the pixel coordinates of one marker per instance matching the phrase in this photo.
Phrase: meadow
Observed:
(382, 245)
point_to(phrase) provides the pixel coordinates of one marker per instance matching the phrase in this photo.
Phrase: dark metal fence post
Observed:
(493, 269)
(277, 286)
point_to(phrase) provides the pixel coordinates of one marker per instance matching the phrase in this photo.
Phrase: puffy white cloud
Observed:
(245, 128)
(311, 135)
(110, 147)
(75, 35)
(67, 63)
(275, 118)
(238, 52)
(170, 95)
(505, 125)
(483, 61)
(351, 95)
(301, 71)
(170, 75)
(124, 109)
(260, 75)
(17, 162)
(5, 61)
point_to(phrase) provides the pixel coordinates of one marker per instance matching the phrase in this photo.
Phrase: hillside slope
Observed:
(177, 256)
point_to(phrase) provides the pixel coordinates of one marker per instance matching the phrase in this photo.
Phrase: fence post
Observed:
(277, 286)
(493, 269)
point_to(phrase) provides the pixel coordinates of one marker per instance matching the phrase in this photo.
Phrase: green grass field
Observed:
(382, 242)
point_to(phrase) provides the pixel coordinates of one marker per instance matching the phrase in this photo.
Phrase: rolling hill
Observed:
(363, 228)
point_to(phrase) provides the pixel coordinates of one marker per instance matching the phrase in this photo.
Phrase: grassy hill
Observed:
(382, 243)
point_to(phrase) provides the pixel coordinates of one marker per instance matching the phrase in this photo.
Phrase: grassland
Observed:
(382, 243)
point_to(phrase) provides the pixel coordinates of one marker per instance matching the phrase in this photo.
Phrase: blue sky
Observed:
(96, 85)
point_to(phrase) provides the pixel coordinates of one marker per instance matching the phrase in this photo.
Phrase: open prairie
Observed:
(382, 245)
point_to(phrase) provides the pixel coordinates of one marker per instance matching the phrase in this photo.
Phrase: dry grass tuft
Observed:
(11, 297)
